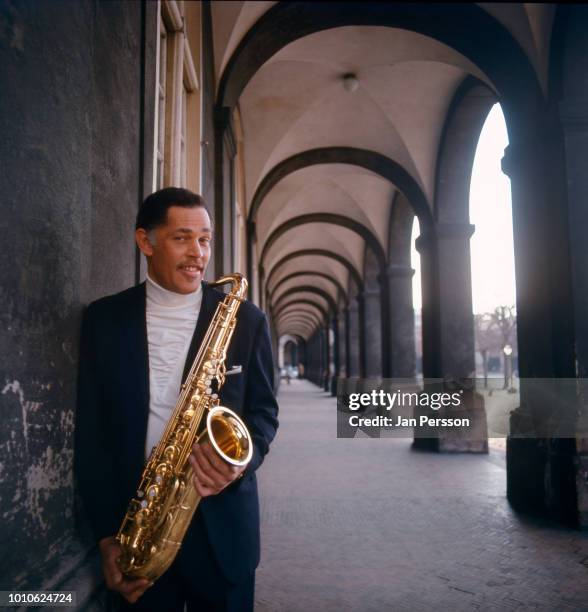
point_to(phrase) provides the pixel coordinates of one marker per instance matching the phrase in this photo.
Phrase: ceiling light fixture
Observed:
(350, 82)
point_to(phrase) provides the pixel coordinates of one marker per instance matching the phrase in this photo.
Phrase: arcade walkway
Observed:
(369, 525)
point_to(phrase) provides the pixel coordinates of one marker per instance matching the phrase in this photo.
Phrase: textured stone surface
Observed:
(70, 122)
(370, 525)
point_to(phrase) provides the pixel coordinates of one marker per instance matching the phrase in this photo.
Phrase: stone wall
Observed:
(76, 161)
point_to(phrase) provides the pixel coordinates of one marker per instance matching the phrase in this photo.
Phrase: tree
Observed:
(504, 319)
(494, 332)
(482, 324)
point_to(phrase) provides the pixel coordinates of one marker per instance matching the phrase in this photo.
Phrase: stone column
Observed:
(302, 359)
(385, 351)
(318, 359)
(574, 119)
(361, 334)
(353, 331)
(574, 116)
(311, 359)
(448, 330)
(327, 360)
(401, 316)
(372, 333)
(542, 471)
(347, 324)
(342, 339)
(336, 355)
(448, 273)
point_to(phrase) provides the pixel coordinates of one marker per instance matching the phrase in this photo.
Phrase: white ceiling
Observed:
(296, 102)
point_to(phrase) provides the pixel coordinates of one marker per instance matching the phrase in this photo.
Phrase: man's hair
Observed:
(153, 211)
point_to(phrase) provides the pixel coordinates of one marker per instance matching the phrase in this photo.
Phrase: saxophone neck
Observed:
(239, 284)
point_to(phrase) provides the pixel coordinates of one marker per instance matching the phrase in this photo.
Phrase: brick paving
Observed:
(370, 525)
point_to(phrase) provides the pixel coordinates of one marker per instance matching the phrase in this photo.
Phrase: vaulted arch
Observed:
(340, 290)
(299, 314)
(299, 324)
(370, 160)
(353, 272)
(308, 289)
(319, 307)
(298, 328)
(293, 317)
(457, 148)
(301, 310)
(492, 49)
(333, 218)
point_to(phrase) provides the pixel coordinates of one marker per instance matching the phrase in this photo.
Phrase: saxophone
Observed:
(157, 518)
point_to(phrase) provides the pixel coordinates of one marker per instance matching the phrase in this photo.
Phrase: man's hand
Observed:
(211, 473)
(130, 588)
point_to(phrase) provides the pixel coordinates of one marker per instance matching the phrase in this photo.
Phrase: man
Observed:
(136, 349)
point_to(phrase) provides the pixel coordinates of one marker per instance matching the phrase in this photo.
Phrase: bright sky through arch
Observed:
(492, 251)
(493, 275)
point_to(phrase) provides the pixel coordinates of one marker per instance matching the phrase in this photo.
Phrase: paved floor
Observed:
(370, 525)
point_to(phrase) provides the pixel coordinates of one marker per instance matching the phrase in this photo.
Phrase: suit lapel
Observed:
(135, 333)
(210, 299)
(140, 356)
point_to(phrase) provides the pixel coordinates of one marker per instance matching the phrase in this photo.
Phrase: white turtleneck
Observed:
(171, 320)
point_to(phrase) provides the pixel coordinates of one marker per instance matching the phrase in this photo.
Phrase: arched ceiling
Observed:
(324, 235)
(300, 312)
(359, 193)
(317, 279)
(406, 82)
(295, 103)
(231, 20)
(327, 266)
(529, 23)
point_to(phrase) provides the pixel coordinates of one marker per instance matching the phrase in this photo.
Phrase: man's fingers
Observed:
(130, 586)
(227, 470)
(203, 476)
(112, 580)
(211, 473)
(208, 473)
(222, 466)
(133, 595)
(203, 490)
(111, 567)
(210, 462)
(131, 590)
(110, 551)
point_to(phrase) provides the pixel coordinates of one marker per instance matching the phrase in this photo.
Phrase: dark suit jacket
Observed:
(113, 409)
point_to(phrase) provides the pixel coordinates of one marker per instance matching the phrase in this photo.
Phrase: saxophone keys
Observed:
(169, 453)
(142, 517)
(162, 469)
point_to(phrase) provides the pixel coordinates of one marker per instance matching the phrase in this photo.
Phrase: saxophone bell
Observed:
(228, 435)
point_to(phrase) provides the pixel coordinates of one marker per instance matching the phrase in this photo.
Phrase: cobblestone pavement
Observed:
(370, 525)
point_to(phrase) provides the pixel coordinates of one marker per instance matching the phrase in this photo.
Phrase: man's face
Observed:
(178, 256)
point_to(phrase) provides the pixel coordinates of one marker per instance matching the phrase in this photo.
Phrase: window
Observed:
(160, 107)
(177, 107)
